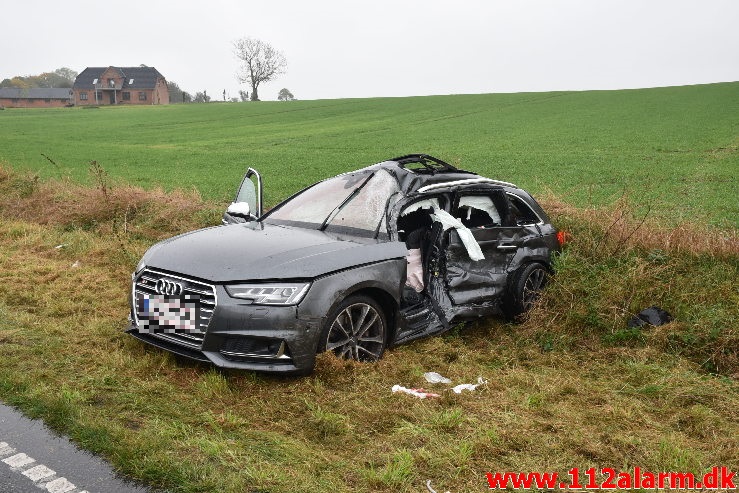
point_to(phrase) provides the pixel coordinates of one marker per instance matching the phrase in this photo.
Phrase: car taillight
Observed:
(562, 237)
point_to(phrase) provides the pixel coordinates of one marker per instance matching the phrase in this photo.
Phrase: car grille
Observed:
(206, 293)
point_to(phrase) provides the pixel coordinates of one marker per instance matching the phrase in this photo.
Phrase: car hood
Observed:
(255, 251)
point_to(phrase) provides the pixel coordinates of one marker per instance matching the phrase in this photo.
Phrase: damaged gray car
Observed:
(353, 264)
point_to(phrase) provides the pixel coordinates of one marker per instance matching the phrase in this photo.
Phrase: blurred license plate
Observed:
(160, 313)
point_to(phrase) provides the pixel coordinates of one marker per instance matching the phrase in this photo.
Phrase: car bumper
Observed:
(280, 339)
(247, 337)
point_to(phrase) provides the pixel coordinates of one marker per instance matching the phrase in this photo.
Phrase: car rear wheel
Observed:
(525, 288)
(356, 329)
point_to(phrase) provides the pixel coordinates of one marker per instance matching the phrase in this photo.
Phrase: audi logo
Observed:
(170, 288)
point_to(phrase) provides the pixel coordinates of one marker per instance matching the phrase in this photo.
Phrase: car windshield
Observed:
(353, 203)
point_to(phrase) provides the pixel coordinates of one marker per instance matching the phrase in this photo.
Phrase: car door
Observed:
(422, 314)
(247, 204)
(487, 214)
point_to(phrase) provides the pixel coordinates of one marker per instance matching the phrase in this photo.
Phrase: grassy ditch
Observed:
(570, 387)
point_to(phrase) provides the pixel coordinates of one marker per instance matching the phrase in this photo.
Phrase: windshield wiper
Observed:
(343, 203)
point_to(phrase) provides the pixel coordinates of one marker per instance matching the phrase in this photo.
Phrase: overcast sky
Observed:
(340, 48)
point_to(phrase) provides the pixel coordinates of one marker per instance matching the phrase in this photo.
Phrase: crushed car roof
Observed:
(423, 173)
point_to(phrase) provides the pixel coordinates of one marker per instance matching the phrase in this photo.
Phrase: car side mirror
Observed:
(240, 209)
(237, 212)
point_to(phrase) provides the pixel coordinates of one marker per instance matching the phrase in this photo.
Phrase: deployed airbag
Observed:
(448, 221)
(483, 203)
(432, 204)
(414, 270)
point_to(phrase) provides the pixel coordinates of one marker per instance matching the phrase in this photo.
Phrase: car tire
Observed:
(524, 289)
(356, 329)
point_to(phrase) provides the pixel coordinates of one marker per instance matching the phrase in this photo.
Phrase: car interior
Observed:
(420, 228)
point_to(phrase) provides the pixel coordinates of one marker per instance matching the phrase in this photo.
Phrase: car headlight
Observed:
(141, 265)
(270, 294)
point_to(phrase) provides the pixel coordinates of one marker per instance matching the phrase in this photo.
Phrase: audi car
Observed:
(354, 264)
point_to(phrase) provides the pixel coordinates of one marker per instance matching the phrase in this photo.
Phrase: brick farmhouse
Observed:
(120, 85)
(35, 97)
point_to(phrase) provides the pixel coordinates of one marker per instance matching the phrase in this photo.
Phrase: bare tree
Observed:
(260, 62)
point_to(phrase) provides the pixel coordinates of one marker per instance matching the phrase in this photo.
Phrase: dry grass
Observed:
(570, 387)
(619, 262)
(626, 225)
(108, 207)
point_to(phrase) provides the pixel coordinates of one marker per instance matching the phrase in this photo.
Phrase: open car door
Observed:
(247, 205)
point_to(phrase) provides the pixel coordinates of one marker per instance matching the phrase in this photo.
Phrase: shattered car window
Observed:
(520, 212)
(367, 209)
(352, 203)
(314, 205)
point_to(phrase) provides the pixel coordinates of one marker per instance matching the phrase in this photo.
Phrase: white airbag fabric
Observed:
(448, 221)
(482, 203)
(421, 204)
(414, 269)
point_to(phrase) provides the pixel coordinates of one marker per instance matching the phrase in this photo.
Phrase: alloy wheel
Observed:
(532, 287)
(358, 333)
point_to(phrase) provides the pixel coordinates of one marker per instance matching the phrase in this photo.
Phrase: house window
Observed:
(142, 96)
(47, 100)
(83, 96)
(111, 83)
(127, 96)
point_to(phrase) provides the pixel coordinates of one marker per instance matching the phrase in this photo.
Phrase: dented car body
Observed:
(353, 264)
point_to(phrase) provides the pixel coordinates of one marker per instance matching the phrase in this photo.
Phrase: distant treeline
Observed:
(177, 95)
(61, 77)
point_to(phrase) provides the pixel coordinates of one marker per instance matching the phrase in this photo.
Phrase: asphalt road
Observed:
(33, 459)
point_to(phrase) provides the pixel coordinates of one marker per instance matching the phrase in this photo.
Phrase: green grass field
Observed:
(571, 386)
(673, 149)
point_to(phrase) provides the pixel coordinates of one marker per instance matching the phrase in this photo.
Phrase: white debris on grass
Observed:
(420, 393)
(469, 386)
(433, 377)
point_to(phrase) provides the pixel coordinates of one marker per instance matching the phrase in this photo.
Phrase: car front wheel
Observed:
(356, 329)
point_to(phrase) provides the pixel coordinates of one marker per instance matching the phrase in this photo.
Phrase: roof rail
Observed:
(471, 181)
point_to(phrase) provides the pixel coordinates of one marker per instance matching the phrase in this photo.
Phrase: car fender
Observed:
(328, 291)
